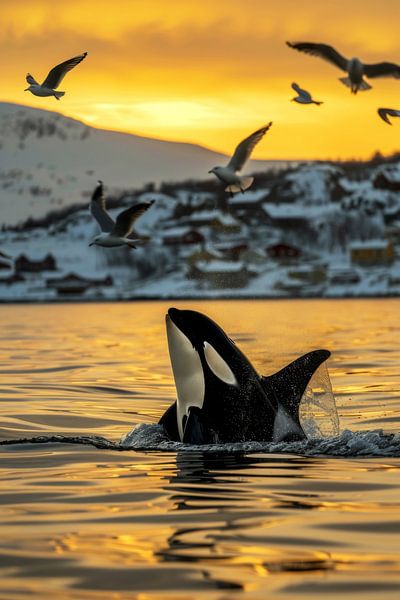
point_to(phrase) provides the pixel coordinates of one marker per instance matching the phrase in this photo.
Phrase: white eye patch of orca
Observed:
(218, 366)
(188, 373)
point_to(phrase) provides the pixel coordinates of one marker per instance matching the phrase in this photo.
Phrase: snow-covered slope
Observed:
(48, 161)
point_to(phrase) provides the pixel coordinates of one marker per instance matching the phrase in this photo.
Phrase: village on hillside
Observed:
(319, 229)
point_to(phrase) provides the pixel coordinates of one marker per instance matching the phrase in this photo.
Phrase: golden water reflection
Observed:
(82, 523)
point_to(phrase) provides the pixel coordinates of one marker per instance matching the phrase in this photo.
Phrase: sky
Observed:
(210, 71)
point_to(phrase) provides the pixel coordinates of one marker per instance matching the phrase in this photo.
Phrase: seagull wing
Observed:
(246, 147)
(301, 92)
(384, 112)
(323, 51)
(31, 80)
(383, 69)
(98, 210)
(57, 74)
(125, 220)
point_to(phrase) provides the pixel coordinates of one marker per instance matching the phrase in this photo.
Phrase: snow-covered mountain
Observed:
(48, 161)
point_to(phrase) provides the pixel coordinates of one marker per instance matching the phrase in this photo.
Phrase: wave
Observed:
(151, 437)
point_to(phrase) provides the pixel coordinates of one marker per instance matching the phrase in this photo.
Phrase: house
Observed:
(202, 218)
(181, 235)
(254, 256)
(249, 201)
(225, 223)
(308, 274)
(217, 220)
(23, 264)
(255, 260)
(344, 276)
(205, 254)
(282, 250)
(372, 252)
(73, 284)
(249, 205)
(292, 215)
(221, 274)
(232, 250)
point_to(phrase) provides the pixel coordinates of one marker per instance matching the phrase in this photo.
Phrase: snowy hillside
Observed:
(48, 161)
(317, 230)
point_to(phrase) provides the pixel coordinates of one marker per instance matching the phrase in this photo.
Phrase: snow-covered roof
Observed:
(225, 219)
(293, 210)
(391, 172)
(204, 215)
(219, 266)
(176, 231)
(370, 244)
(249, 197)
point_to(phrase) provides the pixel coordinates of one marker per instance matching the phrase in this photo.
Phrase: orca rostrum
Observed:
(220, 396)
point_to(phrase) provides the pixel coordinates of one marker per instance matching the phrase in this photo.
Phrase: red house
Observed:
(283, 251)
(181, 235)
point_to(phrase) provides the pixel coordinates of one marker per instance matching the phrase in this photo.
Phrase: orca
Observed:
(220, 396)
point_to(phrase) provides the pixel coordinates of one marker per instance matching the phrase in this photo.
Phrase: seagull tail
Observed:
(59, 95)
(317, 102)
(245, 183)
(363, 85)
(346, 81)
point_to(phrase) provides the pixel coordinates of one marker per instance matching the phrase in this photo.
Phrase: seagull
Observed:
(354, 68)
(229, 174)
(303, 97)
(53, 79)
(114, 234)
(384, 112)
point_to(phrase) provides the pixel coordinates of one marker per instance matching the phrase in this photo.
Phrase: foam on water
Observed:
(151, 437)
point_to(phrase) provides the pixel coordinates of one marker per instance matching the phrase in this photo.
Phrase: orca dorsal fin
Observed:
(289, 384)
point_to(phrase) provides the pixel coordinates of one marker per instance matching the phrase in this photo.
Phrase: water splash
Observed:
(151, 437)
(318, 413)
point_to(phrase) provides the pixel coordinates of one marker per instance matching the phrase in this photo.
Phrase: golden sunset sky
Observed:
(210, 71)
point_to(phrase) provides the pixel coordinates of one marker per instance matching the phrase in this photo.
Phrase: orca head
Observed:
(199, 350)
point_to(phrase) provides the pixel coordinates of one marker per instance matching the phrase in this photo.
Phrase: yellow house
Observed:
(372, 252)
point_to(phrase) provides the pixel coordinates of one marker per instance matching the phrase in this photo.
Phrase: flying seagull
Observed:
(384, 112)
(116, 233)
(303, 97)
(354, 68)
(53, 79)
(229, 174)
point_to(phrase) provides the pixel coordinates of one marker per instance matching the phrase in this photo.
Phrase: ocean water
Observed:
(84, 517)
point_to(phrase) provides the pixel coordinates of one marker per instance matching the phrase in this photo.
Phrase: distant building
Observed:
(23, 264)
(283, 251)
(205, 254)
(292, 215)
(181, 235)
(221, 274)
(388, 179)
(249, 205)
(308, 274)
(232, 250)
(202, 218)
(76, 285)
(225, 223)
(372, 252)
(344, 276)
